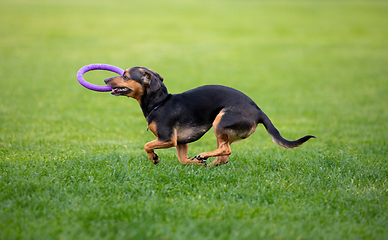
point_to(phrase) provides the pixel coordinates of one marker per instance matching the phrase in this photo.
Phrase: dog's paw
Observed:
(201, 160)
(202, 163)
(198, 157)
(155, 159)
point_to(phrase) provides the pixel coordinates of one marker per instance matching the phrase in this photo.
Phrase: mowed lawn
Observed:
(72, 164)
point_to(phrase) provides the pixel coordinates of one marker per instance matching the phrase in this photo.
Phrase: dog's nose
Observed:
(107, 80)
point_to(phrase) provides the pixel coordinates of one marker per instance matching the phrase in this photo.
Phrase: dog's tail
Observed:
(277, 138)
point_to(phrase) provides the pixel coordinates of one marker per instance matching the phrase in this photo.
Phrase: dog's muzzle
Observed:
(117, 91)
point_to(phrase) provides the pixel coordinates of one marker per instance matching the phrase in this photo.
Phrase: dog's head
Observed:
(135, 82)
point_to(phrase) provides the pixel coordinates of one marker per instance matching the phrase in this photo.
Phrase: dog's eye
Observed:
(124, 76)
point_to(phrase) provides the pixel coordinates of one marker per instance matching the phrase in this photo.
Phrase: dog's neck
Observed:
(152, 100)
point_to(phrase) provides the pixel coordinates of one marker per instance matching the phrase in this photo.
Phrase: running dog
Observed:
(179, 119)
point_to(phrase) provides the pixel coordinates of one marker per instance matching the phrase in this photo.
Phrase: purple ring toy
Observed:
(90, 67)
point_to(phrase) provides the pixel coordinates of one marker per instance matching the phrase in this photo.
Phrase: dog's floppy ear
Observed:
(157, 75)
(150, 82)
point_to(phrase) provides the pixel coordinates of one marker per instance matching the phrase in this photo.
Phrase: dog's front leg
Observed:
(182, 155)
(156, 144)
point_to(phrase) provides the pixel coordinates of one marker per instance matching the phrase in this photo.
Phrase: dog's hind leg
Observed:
(223, 143)
(223, 150)
(182, 155)
(220, 160)
(229, 126)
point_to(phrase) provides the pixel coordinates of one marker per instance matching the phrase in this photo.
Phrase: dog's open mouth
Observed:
(117, 91)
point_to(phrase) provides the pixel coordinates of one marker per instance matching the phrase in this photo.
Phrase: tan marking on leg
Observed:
(218, 119)
(223, 145)
(153, 128)
(156, 144)
(223, 149)
(220, 160)
(181, 150)
(182, 155)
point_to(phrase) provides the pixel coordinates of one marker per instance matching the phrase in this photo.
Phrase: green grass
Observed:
(72, 164)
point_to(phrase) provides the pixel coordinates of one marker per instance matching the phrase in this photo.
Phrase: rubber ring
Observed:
(90, 67)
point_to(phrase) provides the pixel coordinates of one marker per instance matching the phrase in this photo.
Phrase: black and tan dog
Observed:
(179, 119)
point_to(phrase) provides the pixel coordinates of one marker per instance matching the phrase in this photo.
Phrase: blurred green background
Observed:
(314, 67)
